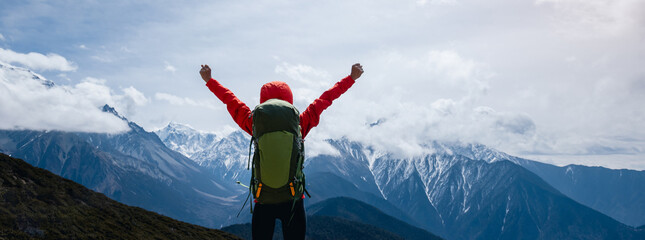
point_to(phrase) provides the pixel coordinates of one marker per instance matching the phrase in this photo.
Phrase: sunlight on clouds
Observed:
(37, 61)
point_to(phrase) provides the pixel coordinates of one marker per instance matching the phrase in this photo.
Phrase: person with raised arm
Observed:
(278, 129)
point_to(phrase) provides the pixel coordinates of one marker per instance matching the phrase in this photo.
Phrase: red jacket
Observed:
(308, 119)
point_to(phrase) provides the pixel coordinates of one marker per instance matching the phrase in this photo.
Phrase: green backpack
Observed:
(276, 175)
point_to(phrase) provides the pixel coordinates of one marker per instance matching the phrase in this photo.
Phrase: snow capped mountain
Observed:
(9, 72)
(615, 192)
(458, 190)
(185, 139)
(468, 191)
(225, 157)
(228, 157)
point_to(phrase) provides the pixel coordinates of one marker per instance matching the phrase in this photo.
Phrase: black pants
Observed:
(264, 216)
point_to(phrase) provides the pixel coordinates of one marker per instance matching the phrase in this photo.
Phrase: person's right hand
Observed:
(205, 72)
(357, 71)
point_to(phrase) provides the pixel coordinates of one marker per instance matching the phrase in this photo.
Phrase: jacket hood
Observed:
(276, 89)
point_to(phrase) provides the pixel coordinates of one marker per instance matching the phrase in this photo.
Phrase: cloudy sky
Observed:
(560, 81)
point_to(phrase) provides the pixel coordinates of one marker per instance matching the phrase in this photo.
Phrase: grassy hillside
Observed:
(324, 227)
(35, 203)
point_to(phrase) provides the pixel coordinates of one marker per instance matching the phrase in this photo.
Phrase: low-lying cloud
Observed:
(31, 102)
(400, 116)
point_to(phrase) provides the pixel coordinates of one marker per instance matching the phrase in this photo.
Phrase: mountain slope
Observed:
(37, 203)
(185, 139)
(358, 211)
(498, 200)
(617, 193)
(326, 185)
(134, 167)
(225, 158)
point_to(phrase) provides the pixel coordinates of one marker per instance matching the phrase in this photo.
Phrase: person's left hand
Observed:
(205, 72)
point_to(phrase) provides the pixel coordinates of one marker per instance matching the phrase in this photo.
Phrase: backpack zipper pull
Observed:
(257, 194)
(293, 192)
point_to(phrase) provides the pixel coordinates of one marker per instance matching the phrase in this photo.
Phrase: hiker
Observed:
(267, 210)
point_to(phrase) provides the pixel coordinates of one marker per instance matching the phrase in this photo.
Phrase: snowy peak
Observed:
(9, 72)
(178, 127)
(174, 128)
(185, 139)
(472, 151)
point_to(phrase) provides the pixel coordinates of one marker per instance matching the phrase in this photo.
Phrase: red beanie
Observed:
(276, 89)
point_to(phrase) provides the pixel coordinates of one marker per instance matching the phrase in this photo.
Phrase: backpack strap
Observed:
(245, 201)
(248, 163)
(248, 196)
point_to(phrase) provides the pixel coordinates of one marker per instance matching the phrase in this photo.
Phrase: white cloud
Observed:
(409, 114)
(135, 96)
(2, 37)
(404, 127)
(130, 100)
(169, 68)
(27, 103)
(185, 101)
(82, 46)
(96, 92)
(37, 61)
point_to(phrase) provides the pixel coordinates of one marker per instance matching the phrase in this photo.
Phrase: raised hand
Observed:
(205, 72)
(357, 71)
